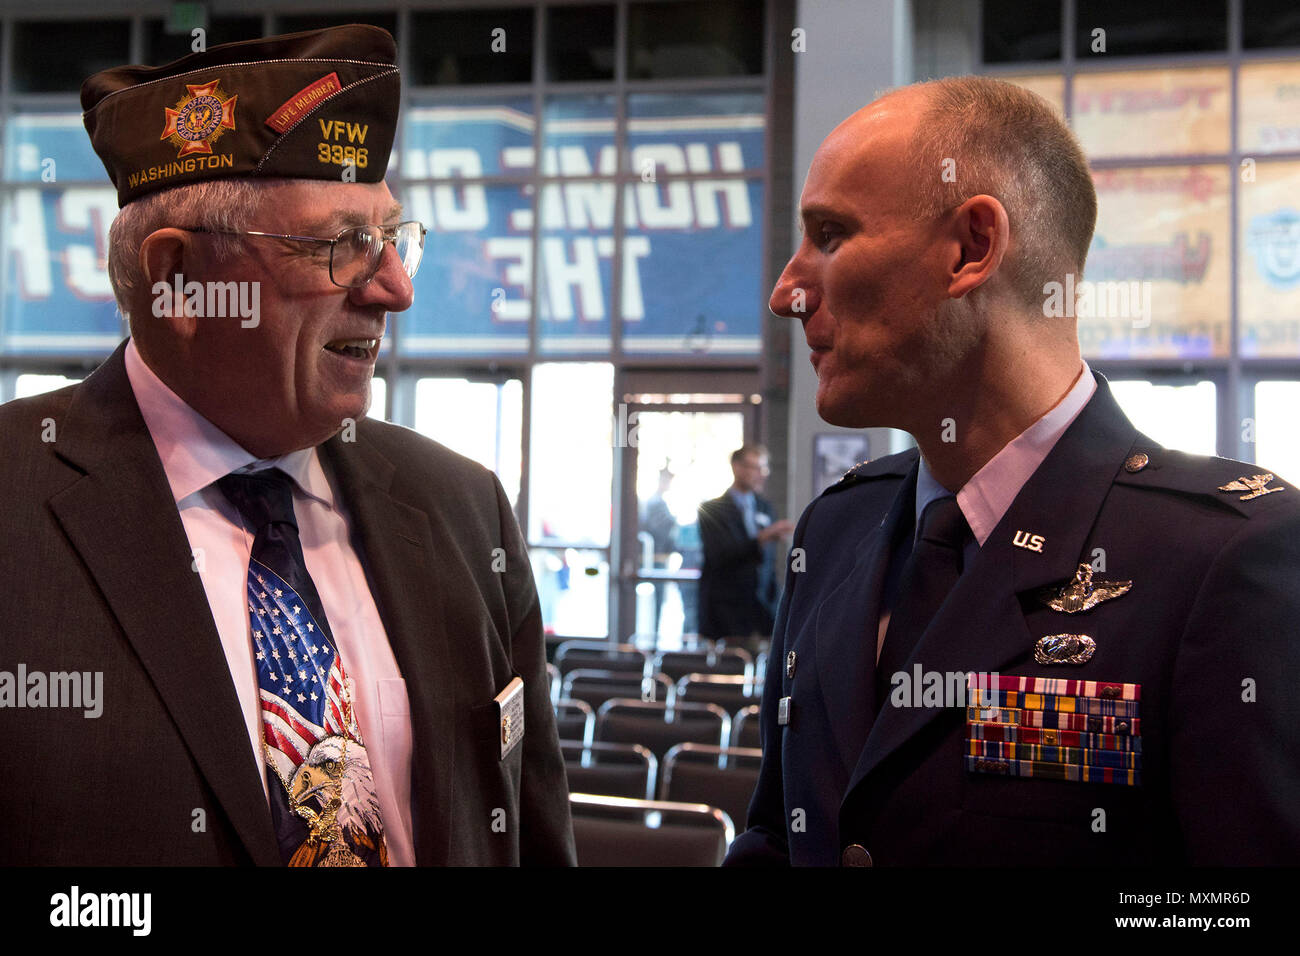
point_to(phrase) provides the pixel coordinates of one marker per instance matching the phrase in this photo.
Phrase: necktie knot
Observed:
(943, 524)
(261, 497)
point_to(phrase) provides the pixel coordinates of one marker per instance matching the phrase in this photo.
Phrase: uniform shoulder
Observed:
(1249, 489)
(872, 469)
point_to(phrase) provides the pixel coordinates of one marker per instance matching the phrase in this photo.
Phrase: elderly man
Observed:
(317, 636)
(1043, 639)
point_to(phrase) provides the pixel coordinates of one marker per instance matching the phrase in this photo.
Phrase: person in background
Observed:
(738, 587)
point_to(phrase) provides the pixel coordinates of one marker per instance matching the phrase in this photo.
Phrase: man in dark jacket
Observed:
(738, 588)
(312, 638)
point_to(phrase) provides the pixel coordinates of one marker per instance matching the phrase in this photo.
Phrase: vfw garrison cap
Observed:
(315, 105)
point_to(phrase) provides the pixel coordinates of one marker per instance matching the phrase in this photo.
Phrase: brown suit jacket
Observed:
(96, 575)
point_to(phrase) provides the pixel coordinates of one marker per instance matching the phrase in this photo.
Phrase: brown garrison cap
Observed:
(315, 105)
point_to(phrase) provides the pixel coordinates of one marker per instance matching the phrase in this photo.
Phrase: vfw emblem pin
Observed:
(199, 119)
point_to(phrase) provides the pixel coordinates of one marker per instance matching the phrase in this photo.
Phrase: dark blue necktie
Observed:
(929, 575)
(323, 802)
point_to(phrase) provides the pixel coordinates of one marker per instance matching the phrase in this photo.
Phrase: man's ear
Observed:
(982, 232)
(163, 257)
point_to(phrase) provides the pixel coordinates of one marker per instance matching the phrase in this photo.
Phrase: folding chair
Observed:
(575, 720)
(614, 831)
(610, 770)
(721, 777)
(596, 687)
(601, 655)
(659, 725)
(744, 731)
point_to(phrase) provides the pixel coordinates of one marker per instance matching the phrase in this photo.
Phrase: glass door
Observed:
(677, 455)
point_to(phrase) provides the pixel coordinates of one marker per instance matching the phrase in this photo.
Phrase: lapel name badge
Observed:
(1064, 649)
(1253, 484)
(510, 715)
(1029, 541)
(783, 711)
(1083, 593)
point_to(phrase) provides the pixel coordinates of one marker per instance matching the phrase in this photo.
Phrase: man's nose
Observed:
(391, 286)
(794, 296)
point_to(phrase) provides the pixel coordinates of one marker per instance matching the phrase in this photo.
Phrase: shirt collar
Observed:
(985, 498)
(742, 498)
(195, 453)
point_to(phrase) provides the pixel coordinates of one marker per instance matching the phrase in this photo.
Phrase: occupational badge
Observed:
(199, 119)
(1254, 485)
(1083, 593)
(1064, 649)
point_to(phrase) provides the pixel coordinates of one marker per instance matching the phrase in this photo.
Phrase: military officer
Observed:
(1039, 638)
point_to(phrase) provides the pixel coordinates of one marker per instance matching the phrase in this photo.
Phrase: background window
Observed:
(1269, 261)
(1145, 27)
(1179, 112)
(1276, 447)
(162, 45)
(571, 466)
(472, 46)
(580, 43)
(1159, 264)
(1177, 416)
(722, 38)
(1270, 23)
(1018, 32)
(55, 56)
(299, 22)
(480, 420)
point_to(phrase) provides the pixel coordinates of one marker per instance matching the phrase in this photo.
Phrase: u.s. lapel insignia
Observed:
(1064, 649)
(1083, 593)
(1254, 485)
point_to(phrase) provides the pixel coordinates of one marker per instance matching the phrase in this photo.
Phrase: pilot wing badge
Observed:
(1083, 593)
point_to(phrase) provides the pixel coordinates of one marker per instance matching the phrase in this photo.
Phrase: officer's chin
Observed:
(837, 410)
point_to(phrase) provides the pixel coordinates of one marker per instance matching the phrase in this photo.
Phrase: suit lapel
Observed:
(398, 547)
(121, 518)
(981, 626)
(846, 631)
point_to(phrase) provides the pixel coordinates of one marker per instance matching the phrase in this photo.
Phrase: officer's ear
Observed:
(163, 258)
(980, 234)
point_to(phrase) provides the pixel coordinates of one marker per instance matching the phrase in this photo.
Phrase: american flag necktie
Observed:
(323, 801)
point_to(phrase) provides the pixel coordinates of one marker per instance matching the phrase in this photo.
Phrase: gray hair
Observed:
(222, 204)
(1008, 143)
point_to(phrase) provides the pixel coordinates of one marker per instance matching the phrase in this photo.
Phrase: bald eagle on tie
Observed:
(336, 775)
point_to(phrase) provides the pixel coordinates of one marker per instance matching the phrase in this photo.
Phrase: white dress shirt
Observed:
(195, 453)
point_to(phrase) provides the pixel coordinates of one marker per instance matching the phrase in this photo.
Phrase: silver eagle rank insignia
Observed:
(1254, 485)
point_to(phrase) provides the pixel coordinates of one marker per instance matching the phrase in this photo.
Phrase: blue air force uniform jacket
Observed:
(1209, 632)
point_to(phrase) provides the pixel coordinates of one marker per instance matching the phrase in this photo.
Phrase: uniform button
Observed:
(1136, 463)
(855, 855)
(790, 660)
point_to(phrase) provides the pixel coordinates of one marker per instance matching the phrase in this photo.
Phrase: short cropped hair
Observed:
(222, 204)
(749, 448)
(1008, 143)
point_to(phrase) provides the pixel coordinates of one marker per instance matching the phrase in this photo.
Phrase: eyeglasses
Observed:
(355, 253)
